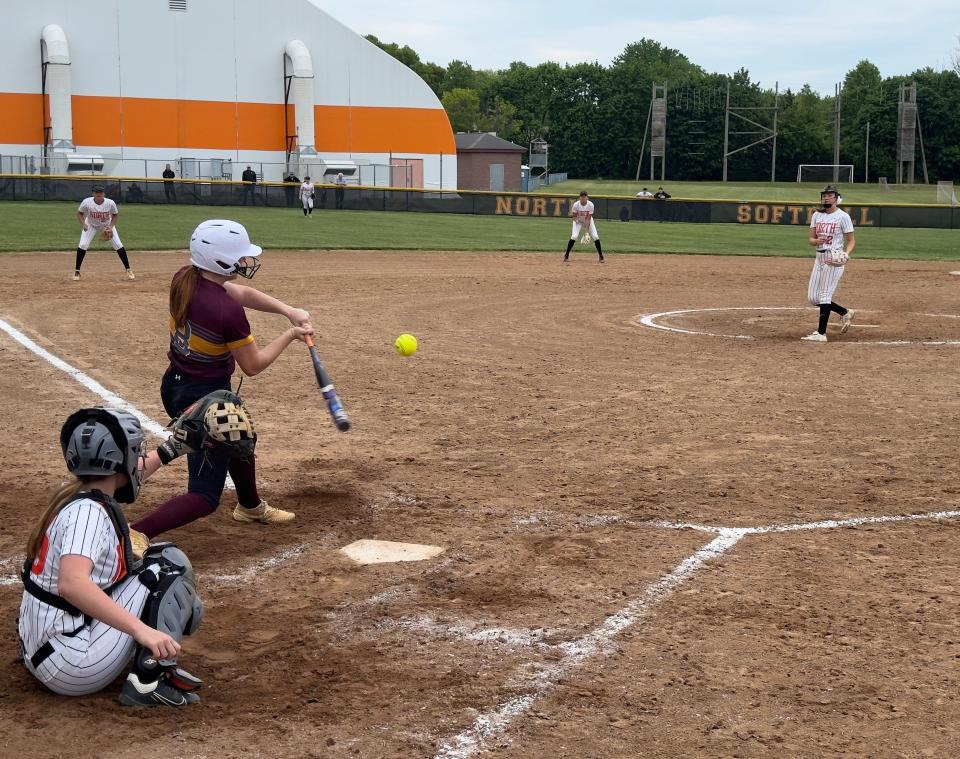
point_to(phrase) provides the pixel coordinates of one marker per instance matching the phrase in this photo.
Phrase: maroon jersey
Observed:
(215, 325)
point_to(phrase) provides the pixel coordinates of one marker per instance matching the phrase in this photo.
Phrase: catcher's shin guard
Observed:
(173, 606)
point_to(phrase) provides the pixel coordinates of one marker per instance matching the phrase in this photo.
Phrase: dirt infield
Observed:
(594, 482)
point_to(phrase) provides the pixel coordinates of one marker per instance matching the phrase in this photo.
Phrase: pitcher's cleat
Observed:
(76, 276)
(130, 274)
(815, 337)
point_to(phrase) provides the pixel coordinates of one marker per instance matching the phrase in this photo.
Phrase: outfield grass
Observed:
(779, 192)
(27, 226)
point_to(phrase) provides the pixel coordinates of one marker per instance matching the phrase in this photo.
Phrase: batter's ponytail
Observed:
(182, 288)
(63, 495)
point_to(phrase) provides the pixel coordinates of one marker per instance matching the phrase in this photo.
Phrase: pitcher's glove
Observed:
(836, 257)
(217, 419)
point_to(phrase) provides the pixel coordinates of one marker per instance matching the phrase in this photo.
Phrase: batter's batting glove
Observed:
(219, 419)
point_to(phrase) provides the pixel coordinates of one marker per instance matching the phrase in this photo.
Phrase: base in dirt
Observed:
(386, 551)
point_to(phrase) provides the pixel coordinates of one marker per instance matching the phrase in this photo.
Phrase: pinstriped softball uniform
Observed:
(825, 278)
(580, 213)
(90, 660)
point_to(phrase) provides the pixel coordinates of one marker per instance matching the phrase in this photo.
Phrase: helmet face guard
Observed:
(247, 266)
(98, 442)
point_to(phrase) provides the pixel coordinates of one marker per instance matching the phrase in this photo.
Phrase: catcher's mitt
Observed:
(217, 419)
(836, 257)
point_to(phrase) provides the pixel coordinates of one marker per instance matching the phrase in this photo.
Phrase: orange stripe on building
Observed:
(217, 125)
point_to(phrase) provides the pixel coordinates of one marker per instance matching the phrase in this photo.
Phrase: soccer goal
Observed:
(946, 194)
(823, 172)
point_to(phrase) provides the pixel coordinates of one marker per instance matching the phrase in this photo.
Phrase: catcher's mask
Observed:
(223, 247)
(98, 442)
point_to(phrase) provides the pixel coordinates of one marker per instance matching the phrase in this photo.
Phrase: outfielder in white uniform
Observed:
(306, 196)
(89, 603)
(581, 211)
(830, 229)
(98, 216)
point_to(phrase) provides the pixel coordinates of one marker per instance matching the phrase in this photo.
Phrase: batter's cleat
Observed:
(815, 337)
(76, 276)
(158, 693)
(263, 513)
(130, 274)
(139, 543)
(846, 320)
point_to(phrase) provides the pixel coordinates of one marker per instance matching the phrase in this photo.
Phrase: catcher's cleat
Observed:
(846, 320)
(159, 693)
(815, 337)
(76, 276)
(263, 513)
(130, 274)
(139, 543)
(183, 680)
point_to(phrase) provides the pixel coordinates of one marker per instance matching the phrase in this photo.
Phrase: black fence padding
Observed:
(276, 195)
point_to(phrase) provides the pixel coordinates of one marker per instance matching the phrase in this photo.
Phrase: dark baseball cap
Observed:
(98, 188)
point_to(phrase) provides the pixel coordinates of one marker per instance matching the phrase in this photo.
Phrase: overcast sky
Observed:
(812, 42)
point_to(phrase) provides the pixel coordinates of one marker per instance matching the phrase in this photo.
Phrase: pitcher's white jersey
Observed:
(98, 216)
(830, 228)
(824, 278)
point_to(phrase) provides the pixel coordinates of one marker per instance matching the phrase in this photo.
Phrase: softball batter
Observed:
(830, 229)
(209, 337)
(306, 196)
(581, 212)
(98, 216)
(88, 604)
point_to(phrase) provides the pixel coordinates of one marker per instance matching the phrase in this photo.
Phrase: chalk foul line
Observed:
(596, 642)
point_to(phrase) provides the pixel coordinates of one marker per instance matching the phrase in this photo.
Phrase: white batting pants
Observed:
(93, 658)
(823, 281)
(307, 201)
(87, 236)
(577, 226)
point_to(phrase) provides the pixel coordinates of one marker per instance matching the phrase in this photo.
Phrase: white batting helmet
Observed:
(223, 247)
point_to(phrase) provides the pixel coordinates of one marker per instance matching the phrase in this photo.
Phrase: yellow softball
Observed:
(406, 344)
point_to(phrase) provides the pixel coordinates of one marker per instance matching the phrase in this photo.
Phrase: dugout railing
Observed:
(361, 198)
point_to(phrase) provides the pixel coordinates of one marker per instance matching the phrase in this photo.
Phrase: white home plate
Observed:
(385, 551)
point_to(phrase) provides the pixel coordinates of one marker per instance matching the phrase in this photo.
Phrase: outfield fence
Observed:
(369, 198)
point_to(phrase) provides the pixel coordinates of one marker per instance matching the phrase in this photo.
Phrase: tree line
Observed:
(594, 116)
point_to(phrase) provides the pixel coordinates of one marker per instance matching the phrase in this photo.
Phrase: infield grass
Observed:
(32, 226)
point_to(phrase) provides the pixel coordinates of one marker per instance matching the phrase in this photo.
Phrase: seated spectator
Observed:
(661, 194)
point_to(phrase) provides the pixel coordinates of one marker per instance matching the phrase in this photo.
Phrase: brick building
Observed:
(487, 162)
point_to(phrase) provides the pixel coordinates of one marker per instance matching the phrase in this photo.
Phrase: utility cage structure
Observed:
(908, 128)
(657, 126)
(767, 133)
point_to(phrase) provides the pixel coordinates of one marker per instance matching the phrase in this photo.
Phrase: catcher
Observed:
(831, 233)
(98, 218)
(209, 337)
(90, 603)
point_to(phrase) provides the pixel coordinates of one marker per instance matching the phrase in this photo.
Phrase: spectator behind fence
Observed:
(169, 192)
(249, 178)
(134, 194)
(644, 193)
(340, 182)
(661, 194)
(289, 190)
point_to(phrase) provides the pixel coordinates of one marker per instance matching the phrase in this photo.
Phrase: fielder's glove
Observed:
(836, 257)
(586, 239)
(217, 419)
(106, 234)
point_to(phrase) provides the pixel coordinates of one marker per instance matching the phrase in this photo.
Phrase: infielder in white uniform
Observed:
(89, 603)
(581, 212)
(830, 229)
(98, 216)
(306, 196)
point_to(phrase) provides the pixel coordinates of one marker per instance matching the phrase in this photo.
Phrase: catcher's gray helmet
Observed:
(98, 442)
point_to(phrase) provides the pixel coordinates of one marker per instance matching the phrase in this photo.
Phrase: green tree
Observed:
(463, 109)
